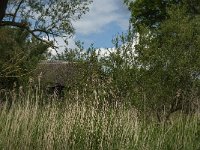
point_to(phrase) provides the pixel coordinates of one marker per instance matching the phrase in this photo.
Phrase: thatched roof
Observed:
(52, 72)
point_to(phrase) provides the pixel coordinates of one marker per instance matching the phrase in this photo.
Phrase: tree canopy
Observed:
(152, 13)
(28, 28)
(167, 52)
(43, 18)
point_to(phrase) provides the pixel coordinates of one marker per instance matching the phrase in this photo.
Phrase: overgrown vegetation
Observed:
(169, 62)
(83, 125)
(19, 56)
(159, 74)
(141, 96)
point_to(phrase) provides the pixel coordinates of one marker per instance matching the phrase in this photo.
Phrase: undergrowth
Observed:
(26, 124)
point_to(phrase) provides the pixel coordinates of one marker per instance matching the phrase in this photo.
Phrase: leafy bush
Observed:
(169, 62)
(19, 56)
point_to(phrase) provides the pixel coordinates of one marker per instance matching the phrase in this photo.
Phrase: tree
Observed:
(3, 7)
(169, 62)
(19, 56)
(152, 13)
(49, 18)
(89, 63)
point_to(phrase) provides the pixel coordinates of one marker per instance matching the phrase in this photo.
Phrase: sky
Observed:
(101, 24)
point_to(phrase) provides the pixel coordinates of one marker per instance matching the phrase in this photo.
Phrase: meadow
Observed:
(34, 123)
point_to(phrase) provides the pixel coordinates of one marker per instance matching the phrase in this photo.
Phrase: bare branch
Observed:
(17, 9)
(24, 25)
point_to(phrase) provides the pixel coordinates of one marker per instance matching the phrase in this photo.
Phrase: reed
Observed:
(62, 125)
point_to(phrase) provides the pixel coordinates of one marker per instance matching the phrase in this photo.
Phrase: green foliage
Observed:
(160, 74)
(169, 61)
(89, 66)
(48, 18)
(122, 70)
(114, 75)
(19, 55)
(152, 13)
(23, 45)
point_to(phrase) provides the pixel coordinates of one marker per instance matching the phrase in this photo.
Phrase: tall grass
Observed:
(62, 125)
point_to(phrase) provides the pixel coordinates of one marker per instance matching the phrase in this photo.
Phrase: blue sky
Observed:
(101, 39)
(99, 26)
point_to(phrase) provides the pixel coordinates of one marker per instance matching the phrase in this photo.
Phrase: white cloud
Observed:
(102, 13)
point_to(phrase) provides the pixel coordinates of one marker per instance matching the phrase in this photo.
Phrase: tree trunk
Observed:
(3, 7)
